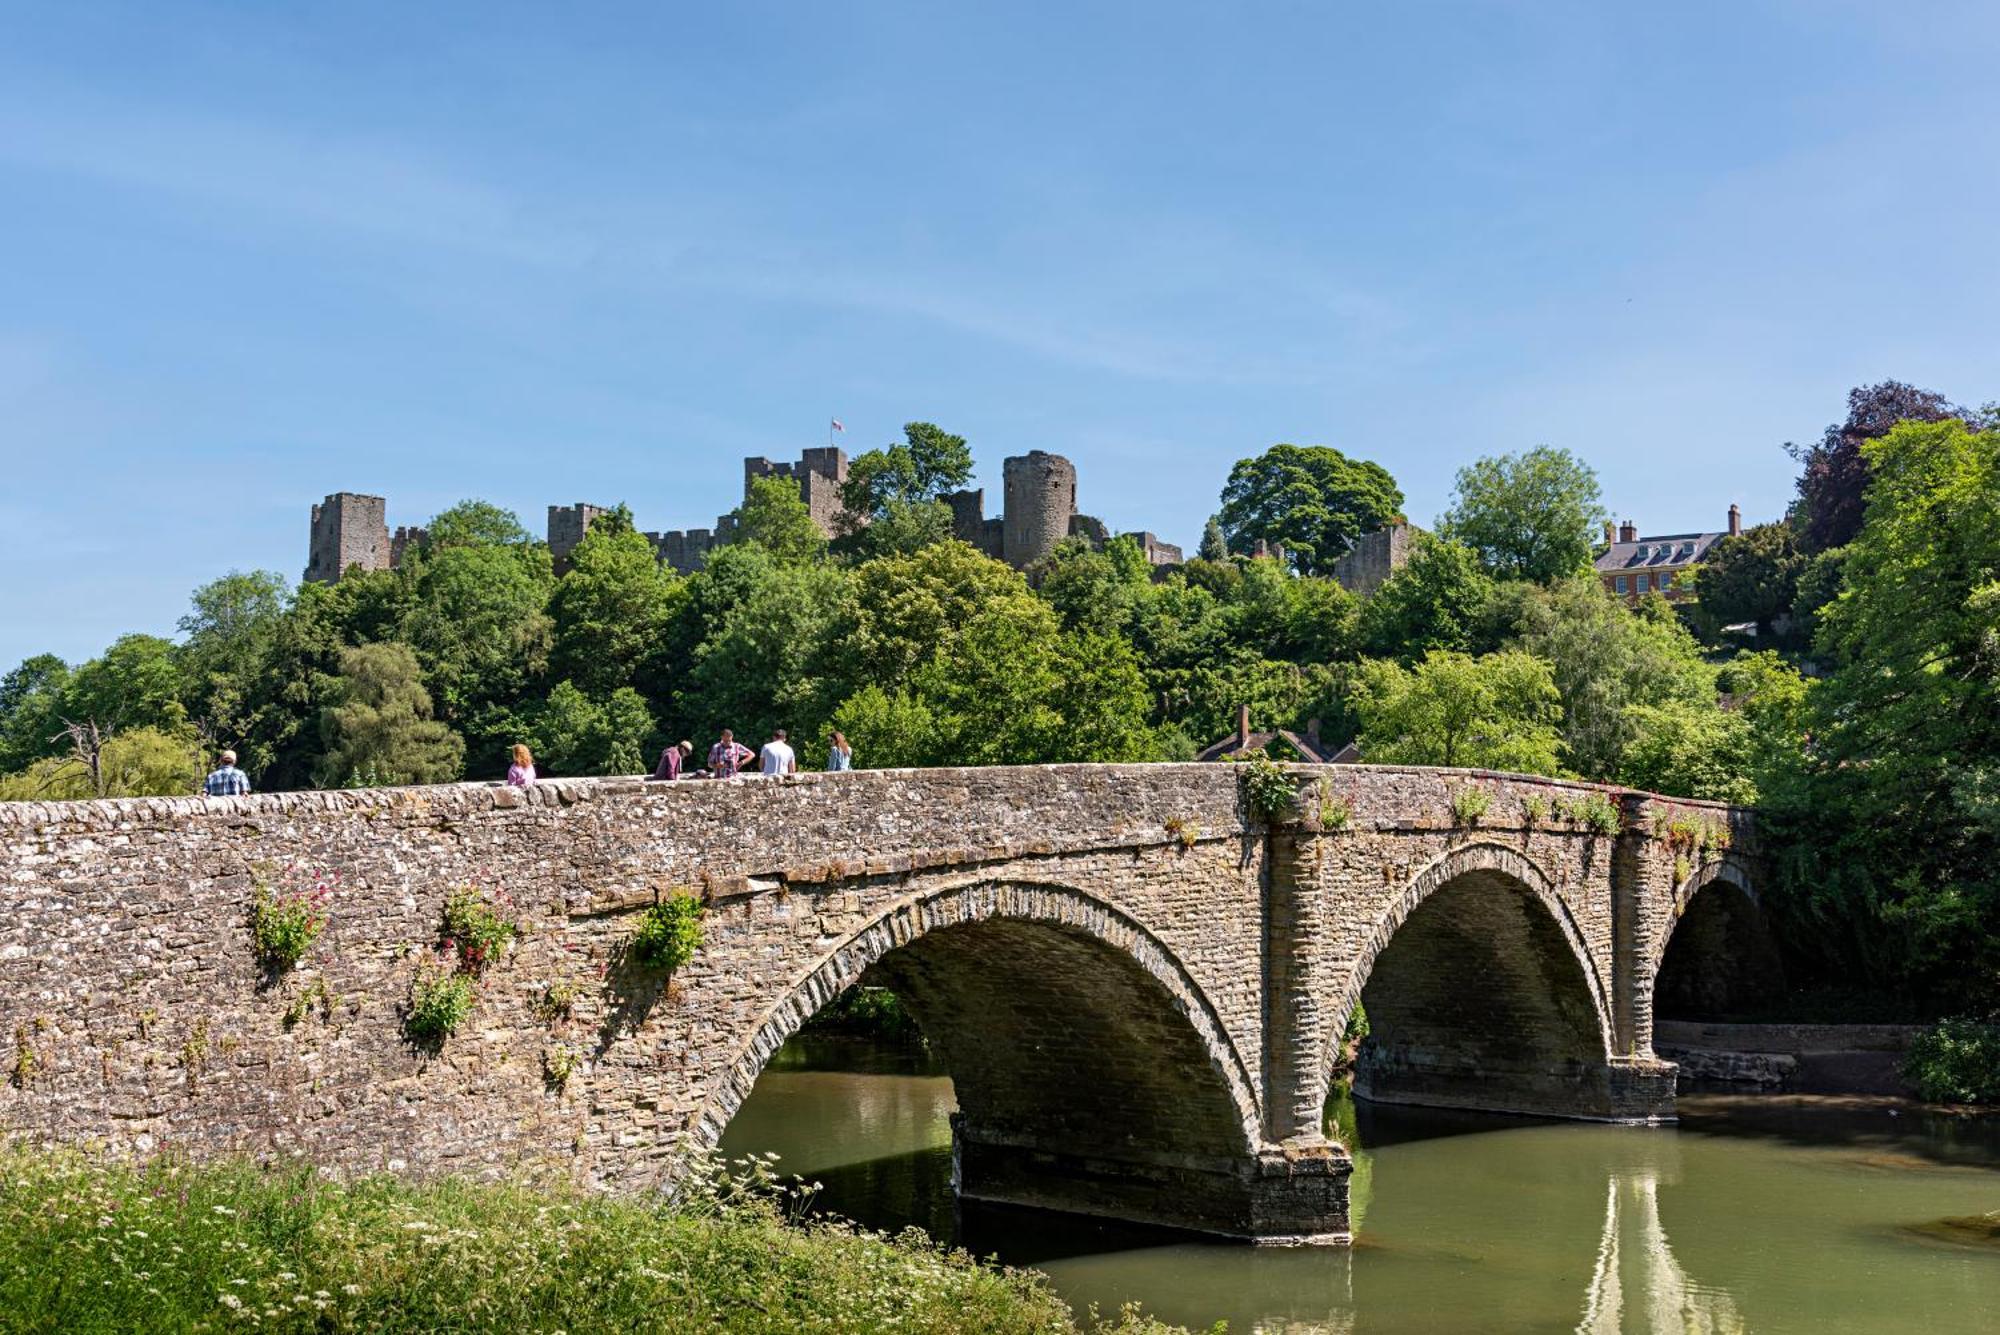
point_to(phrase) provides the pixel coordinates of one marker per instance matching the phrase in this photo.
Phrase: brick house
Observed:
(1632, 566)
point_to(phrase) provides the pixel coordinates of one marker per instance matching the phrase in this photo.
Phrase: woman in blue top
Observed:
(839, 755)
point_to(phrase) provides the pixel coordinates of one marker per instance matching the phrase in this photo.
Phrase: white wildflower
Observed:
(231, 1301)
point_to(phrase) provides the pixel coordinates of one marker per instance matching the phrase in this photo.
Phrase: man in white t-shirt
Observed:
(777, 757)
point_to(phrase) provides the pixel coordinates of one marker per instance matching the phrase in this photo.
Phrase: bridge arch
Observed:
(1481, 991)
(1070, 1030)
(1717, 955)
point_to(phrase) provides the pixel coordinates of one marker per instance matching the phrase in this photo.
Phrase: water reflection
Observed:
(1771, 1216)
(1634, 1254)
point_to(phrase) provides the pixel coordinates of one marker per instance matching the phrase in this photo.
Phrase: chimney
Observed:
(1243, 725)
(1735, 518)
(1610, 533)
(1628, 532)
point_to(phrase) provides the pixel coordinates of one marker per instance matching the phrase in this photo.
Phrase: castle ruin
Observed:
(1038, 510)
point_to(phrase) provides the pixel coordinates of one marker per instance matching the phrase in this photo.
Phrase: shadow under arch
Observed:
(1481, 992)
(1717, 957)
(1092, 1073)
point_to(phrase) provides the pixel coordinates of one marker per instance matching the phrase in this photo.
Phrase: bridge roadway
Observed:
(1139, 985)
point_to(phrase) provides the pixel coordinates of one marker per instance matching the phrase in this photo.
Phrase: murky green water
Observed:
(1752, 1215)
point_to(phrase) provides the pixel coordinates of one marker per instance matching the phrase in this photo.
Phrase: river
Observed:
(1754, 1214)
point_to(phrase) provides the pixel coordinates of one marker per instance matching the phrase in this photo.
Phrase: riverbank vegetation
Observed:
(1839, 668)
(171, 1247)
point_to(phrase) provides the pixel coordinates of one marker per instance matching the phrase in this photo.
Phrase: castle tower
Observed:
(348, 529)
(567, 525)
(1038, 501)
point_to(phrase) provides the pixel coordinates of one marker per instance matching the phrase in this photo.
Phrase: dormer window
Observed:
(1640, 554)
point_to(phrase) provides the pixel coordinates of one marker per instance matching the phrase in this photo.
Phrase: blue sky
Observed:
(544, 253)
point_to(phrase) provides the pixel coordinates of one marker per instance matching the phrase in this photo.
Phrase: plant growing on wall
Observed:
(1335, 813)
(475, 929)
(286, 919)
(1599, 814)
(668, 933)
(1184, 830)
(440, 999)
(1267, 786)
(1534, 809)
(1469, 802)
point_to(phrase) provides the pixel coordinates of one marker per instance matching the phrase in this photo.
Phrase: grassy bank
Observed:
(172, 1247)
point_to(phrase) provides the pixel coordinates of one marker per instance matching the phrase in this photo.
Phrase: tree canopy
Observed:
(1531, 516)
(1311, 498)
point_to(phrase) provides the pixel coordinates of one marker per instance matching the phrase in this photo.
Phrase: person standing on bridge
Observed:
(673, 760)
(728, 756)
(521, 774)
(839, 755)
(777, 756)
(225, 780)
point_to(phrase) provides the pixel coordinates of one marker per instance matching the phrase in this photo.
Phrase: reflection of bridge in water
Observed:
(1139, 984)
(1638, 1284)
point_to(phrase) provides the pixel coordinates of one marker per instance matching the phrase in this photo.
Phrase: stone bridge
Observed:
(1139, 984)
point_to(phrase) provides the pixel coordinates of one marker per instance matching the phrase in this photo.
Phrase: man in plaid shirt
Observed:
(727, 756)
(227, 781)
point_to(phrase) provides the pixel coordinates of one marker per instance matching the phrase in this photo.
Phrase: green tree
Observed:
(774, 516)
(1312, 498)
(764, 658)
(1436, 601)
(230, 629)
(1092, 589)
(1607, 661)
(925, 465)
(31, 702)
(1214, 546)
(136, 683)
(475, 524)
(1892, 833)
(139, 762)
(1531, 516)
(907, 606)
(477, 618)
(380, 722)
(610, 613)
(1496, 712)
(894, 496)
(1689, 750)
(570, 733)
(1752, 576)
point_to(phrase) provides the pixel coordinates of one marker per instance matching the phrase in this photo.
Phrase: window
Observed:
(1641, 552)
(1622, 583)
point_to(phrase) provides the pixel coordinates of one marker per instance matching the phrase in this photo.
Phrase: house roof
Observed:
(1669, 551)
(1257, 741)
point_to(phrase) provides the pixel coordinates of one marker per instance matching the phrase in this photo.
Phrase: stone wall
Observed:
(1374, 557)
(1139, 988)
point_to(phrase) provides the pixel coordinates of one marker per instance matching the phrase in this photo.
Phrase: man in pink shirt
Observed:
(728, 756)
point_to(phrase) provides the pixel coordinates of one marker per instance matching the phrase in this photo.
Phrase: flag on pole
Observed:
(835, 424)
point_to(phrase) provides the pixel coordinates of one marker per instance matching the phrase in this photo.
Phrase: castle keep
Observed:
(1038, 510)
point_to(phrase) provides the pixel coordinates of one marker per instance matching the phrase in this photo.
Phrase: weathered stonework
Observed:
(1139, 988)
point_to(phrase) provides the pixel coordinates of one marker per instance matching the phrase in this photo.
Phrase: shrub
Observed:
(1469, 802)
(1594, 812)
(440, 999)
(1957, 1061)
(1267, 786)
(668, 934)
(285, 921)
(557, 1002)
(1534, 809)
(474, 928)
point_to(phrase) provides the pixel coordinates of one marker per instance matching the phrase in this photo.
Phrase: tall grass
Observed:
(86, 1247)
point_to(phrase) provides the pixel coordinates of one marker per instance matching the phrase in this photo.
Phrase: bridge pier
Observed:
(1281, 1196)
(1625, 1089)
